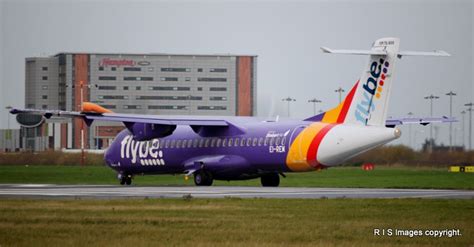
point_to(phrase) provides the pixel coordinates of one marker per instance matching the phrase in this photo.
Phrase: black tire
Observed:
(270, 180)
(202, 178)
(123, 180)
(128, 180)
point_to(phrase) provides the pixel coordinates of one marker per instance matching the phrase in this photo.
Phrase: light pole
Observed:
(314, 101)
(8, 108)
(340, 91)
(451, 94)
(463, 129)
(416, 132)
(431, 98)
(288, 100)
(470, 104)
(409, 131)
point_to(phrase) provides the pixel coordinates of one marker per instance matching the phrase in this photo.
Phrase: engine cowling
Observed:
(146, 131)
(29, 120)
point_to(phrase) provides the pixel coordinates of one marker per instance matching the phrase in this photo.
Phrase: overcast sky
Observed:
(286, 36)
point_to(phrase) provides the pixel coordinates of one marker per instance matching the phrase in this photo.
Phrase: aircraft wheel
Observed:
(270, 180)
(203, 178)
(123, 179)
(128, 180)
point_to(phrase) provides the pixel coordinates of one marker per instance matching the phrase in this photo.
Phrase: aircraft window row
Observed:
(223, 142)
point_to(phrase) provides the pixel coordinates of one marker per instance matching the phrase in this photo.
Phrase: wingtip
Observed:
(325, 49)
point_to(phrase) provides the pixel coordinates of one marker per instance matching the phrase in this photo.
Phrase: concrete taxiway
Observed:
(107, 192)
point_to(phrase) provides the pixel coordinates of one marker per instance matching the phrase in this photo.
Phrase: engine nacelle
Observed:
(146, 131)
(29, 120)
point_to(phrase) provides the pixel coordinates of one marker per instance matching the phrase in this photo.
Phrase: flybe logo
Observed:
(371, 88)
(148, 153)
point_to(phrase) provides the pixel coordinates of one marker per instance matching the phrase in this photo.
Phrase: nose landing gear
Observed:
(125, 179)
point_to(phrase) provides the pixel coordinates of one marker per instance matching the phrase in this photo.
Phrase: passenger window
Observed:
(206, 143)
(218, 142)
(184, 143)
(178, 144)
(254, 142)
(167, 143)
(172, 143)
(277, 140)
(224, 142)
(230, 142)
(260, 141)
(190, 143)
(236, 142)
(267, 139)
(249, 140)
(272, 140)
(213, 142)
(242, 142)
(201, 142)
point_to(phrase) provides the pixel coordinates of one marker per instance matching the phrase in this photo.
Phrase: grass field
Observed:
(231, 222)
(381, 177)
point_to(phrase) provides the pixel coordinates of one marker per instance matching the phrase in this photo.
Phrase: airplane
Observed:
(238, 148)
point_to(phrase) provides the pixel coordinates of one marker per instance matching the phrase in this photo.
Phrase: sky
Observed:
(286, 36)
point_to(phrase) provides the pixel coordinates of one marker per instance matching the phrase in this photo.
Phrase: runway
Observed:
(109, 192)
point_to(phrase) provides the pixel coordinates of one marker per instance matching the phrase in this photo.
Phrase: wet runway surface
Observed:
(108, 192)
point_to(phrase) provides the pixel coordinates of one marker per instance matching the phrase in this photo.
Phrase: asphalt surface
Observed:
(109, 192)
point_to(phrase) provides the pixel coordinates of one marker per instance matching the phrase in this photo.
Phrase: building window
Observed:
(218, 98)
(107, 87)
(212, 108)
(125, 88)
(160, 97)
(138, 88)
(132, 107)
(101, 68)
(200, 70)
(107, 78)
(167, 107)
(44, 68)
(44, 106)
(217, 89)
(44, 78)
(109, 106)
(169, 78)
(113, 68)
(112, 97)
(212, 79)
(44, 87)
(169, 88)
(218, 70)
(44, 97)
(175, 69)
(132, 69)
(187, 79)
(133, 78)
(199, 88)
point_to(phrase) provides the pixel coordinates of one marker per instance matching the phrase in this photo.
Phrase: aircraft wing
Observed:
(127, 118)
(392, 122)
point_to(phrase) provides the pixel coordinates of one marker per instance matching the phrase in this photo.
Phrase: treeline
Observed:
(50, 158)
(385, 155)
(403, 155)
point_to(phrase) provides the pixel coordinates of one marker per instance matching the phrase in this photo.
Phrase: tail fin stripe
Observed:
(347, 104)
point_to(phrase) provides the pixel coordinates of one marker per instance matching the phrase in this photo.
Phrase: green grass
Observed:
(381, 177)
(231, 222)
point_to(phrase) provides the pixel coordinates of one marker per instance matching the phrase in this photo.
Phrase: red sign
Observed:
(116, 62)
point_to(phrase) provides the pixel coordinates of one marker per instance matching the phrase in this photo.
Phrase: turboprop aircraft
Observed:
(237, 148)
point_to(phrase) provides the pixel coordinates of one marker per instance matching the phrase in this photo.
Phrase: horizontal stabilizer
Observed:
(354, 52)
(436, 53)
(392, 122)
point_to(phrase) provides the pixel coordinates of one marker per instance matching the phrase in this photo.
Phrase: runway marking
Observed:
(108, 191)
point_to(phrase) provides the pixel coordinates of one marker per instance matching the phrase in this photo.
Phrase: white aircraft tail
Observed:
(367, 102)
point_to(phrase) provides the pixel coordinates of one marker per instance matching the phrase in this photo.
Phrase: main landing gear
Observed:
(270, 180)
(125, 179)
(203, 178)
